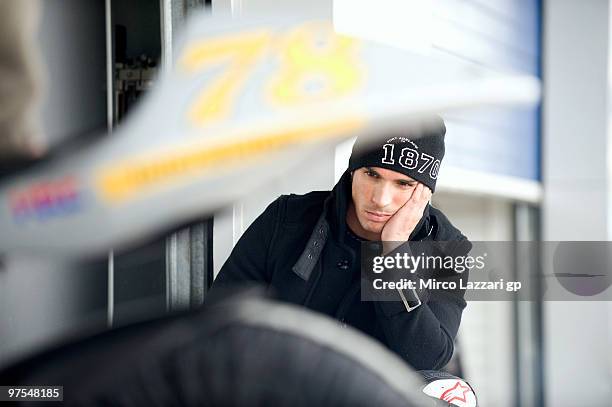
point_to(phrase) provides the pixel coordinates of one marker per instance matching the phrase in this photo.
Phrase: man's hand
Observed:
(399, 227)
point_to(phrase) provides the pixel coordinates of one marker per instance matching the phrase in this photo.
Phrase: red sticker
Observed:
(457, 392)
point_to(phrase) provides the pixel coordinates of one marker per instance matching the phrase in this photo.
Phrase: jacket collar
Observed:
(332, 222)
(336, 205)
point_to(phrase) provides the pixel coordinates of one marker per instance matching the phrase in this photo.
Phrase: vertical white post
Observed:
(576, 177)
(110, 96)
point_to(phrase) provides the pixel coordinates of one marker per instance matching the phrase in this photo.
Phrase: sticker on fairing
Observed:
(456, 392)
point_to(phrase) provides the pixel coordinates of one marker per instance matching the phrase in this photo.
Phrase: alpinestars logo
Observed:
(455, 393)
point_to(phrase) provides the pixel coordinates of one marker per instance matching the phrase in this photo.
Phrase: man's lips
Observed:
(377, 216)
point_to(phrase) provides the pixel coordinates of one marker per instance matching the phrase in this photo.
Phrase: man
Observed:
(306, 248)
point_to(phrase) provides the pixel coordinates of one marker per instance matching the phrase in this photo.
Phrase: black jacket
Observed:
(298, 248)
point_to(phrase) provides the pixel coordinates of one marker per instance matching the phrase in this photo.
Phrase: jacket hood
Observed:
(337, 203)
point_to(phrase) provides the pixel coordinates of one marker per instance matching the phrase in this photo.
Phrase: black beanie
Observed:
(416, 153)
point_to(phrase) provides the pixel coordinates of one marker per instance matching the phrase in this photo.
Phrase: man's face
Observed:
(377, 194)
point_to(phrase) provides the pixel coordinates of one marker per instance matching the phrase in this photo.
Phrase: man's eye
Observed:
(371, 173)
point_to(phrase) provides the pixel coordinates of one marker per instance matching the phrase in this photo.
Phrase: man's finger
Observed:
(426, 194)
(420, 193)
(413, 194)
(416, 193)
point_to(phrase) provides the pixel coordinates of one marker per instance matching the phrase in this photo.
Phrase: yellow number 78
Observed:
(314, 64)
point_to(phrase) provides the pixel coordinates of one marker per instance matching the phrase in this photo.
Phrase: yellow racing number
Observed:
(240, 52)
(314, 64)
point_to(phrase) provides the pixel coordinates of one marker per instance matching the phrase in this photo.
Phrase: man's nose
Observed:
(382, 195)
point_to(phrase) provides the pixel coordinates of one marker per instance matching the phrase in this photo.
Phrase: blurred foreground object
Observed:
(20, 81)
(248, 99)
(240, 352)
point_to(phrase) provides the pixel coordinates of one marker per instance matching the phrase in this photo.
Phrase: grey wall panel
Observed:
(72, 38)
(504, 36)
(44, 300)
(494, 141)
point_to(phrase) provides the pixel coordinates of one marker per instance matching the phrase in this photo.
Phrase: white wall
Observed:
(576, 146)
(284, 6)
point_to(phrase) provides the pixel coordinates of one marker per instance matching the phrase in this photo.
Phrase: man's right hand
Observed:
(401, 225)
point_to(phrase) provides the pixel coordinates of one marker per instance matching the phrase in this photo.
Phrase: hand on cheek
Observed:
(399, 227)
